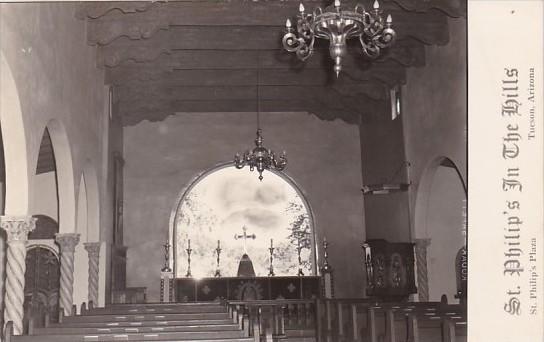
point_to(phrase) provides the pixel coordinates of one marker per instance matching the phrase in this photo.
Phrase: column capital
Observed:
(93, 248)
(422, 243)
(17, 227)
(67, 241)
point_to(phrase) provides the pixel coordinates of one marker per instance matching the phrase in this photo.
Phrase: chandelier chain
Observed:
(260, 158)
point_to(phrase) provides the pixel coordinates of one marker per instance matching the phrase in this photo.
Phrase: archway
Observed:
(218, 203)
(42, 271)
(440, 215)
(15, 145)
(65, 176)
(41, 283)
(81, 259)
(45, 197)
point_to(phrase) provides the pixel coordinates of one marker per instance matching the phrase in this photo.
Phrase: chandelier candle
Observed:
(337, 25)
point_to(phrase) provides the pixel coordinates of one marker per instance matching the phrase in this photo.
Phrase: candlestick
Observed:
(218, 252)
(326, 266)
(271, 249)
(300, 273)
(166, 267)
(188, 250)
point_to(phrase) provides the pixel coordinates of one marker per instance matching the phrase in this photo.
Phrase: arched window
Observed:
(221, 202)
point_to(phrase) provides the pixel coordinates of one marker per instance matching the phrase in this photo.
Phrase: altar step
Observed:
(198, 322)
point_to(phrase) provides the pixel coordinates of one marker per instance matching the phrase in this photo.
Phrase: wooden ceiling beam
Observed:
(173, 16)
(114, 9)
(406, 53)
(132, 95)
(236, 38)
(383, 74)
(349, 111)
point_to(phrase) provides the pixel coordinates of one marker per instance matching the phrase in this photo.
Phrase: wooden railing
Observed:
(273, 320)
(353, 320)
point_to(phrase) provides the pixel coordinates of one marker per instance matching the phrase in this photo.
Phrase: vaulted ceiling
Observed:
(209, 56)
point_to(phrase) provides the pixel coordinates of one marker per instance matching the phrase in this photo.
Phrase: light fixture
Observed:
(260, 157)
(337, 26)
(383, 189)
(389, 186)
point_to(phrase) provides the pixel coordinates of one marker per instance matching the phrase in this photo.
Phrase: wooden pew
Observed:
(411, 321)
(279, 319)
(353, 320)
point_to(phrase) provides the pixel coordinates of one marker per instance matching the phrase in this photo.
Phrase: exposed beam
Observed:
(406, 52)
(349, 111)
(237, 38)
(95, 10)
(382, 74)
(168, 94)
(143, 25)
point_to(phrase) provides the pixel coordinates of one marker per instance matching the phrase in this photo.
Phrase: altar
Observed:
(247, 288)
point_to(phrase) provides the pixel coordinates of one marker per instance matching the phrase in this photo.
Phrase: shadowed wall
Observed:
(162, 158)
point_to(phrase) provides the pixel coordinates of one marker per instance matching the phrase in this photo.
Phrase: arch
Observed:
(46, 228)
(82, 212)
(15, 145)
(440, 215)
(196, 179)
(81, 259)
(93, 206)
(423, 192)
(65, 176)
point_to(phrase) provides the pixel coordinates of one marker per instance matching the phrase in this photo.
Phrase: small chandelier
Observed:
(260, 157)
(337, 26)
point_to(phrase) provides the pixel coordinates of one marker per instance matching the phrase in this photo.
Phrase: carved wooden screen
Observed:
(41, 284)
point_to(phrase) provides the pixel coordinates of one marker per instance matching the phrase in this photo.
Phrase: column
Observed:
(93, 248)
(67, 243)
(421, 264)
(17, 229)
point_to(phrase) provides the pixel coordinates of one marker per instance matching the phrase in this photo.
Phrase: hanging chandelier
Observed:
(337, 26)
(260, 158)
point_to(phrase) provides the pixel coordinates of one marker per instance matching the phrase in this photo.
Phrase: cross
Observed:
(244, 236)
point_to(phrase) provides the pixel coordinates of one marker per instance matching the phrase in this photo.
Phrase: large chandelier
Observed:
(260, 158)
(337, 26)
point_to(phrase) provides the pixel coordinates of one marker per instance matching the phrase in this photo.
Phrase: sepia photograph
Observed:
(271, 170)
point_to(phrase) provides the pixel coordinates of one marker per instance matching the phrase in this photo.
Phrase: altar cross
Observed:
(245, 236)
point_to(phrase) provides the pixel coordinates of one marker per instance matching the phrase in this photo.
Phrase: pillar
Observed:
(421, 264)
(93, 248)
(17, 229)
(67, 243)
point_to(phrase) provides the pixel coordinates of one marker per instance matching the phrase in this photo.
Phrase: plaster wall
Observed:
(435, 111)
(432, 125)
(161, 158)
(445, 229)
(58, 85)
(383, 161)
(45, 201)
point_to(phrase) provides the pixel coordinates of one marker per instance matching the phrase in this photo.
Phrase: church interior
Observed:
(130, 211)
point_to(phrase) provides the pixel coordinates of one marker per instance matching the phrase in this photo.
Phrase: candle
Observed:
(271, 243)
(189, 243)
(218, 244)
